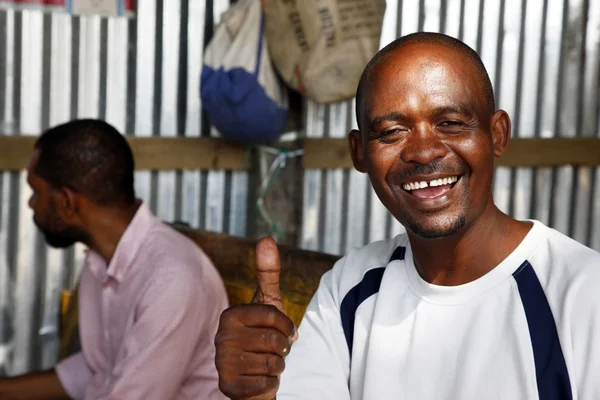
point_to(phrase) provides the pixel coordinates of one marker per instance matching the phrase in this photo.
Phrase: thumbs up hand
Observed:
(253, 339)
(268, 268)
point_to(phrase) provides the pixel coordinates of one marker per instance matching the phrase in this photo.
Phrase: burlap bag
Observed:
(320, 47)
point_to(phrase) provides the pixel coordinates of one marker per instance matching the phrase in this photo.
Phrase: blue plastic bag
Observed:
(239, 88)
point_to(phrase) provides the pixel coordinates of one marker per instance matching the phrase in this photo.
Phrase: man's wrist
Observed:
(41, 385)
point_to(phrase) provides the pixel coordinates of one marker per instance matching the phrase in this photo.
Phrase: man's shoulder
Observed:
(165, 241)
(373, 258)
(175, 261)
(561, 251)
(169, 253)
(567, 269)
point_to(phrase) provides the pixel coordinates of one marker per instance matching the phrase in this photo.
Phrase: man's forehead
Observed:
(34, 158)
(428, 96)
(428, 81)
(32, 166)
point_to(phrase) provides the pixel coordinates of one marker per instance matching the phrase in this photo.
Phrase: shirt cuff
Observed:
(74, 375)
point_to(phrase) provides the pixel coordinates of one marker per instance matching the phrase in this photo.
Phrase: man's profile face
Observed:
(42, 202)
(426, 131)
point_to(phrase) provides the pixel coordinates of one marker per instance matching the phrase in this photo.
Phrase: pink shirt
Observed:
(148, 321)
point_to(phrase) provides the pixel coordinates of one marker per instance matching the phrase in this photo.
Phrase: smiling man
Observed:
(469, 304)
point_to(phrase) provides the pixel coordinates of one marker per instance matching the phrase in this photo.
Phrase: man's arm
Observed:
(253, 340)
(37, 386)
(173, 322)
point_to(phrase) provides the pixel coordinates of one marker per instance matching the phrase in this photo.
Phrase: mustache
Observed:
(434, 167)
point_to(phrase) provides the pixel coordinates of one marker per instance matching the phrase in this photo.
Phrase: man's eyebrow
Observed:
(397, 116)
(393, 116)
(454, 109)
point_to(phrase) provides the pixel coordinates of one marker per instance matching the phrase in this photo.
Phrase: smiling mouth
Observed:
(431, 189)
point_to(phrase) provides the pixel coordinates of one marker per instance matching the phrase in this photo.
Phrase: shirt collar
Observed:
(127, 249)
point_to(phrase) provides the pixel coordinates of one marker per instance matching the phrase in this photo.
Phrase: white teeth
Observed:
(435, 182)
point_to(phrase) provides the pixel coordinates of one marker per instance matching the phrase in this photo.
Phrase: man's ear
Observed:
(67, 204)
(357, 151)
(501, 130)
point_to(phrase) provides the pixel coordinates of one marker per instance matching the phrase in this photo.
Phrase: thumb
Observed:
(268, 268)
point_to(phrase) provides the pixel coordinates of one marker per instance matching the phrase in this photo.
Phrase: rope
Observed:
(276, 166)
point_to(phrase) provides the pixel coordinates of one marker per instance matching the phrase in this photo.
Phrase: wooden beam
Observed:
(326, 153)
(188, 153)
(161, 153)
(552, 152)
(329, 153)
(151, 153)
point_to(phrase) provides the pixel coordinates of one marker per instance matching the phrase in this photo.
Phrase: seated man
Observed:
(149, 298)
(469, 304)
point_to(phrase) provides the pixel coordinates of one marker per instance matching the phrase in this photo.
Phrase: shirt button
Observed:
(106, 336)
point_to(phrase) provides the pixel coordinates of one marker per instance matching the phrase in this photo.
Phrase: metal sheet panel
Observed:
(141, 75)
(543, 58)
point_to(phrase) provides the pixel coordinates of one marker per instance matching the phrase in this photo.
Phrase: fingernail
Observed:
(294, 336)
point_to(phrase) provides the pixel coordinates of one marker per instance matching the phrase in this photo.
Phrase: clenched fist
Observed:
(254, 339)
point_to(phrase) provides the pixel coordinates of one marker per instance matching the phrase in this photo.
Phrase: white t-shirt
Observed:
(528, 329)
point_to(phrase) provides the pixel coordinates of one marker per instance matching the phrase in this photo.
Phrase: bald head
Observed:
(427, 38)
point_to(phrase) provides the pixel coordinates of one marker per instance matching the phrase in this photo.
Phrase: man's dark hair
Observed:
(90, 157)
(428, 38)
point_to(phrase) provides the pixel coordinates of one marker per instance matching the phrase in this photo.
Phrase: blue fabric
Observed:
(238, 105)
(550, 366)
(366, 288)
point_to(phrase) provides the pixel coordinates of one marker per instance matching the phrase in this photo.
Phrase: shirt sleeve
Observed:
(584, 311)
(318, 365)
(174, 325)
(74, 375)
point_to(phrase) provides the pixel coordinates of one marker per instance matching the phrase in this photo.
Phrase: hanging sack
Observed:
(244, 98)
(320, 47)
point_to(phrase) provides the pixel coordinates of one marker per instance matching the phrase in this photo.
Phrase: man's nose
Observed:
(423, 145)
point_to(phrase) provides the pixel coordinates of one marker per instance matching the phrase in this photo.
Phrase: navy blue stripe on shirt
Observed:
(550, 366)
(363, 290)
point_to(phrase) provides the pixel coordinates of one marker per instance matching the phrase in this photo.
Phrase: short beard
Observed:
(437, 232)
(62, 238)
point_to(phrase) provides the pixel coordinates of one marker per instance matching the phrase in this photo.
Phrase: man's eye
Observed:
(392, 131)
(389, 132)
(451, 126)
(451, 123)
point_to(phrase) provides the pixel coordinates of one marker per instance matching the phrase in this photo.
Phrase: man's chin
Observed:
(59, 243)
(436, 229)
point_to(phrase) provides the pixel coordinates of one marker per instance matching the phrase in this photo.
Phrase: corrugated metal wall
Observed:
(143, 76)
(140, 75)
(544, 60)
